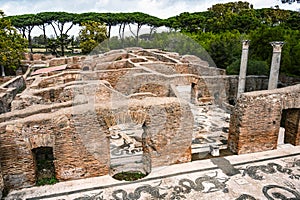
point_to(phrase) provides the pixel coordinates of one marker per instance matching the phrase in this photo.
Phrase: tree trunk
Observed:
(151, 31)
(109, 31)
(23, 33)
(123, 34)
(2, 70)
(62, 46)
(30, 41)
(45, 38)
(139, 26)
(120, 27)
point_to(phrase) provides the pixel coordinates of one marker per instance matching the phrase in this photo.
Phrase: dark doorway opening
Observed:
(289, 126)
(194, 93)
(44, 166)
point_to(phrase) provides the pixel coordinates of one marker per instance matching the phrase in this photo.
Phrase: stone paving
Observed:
(264, 175)
(211, 124)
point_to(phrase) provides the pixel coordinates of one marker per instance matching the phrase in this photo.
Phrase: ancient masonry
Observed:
(257, 117)
(76, 106)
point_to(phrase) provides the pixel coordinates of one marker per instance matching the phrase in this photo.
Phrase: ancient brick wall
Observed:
(168, 134)
(255, 122)
(8, 91)
(253, 83)
(73, 157)
(69, 112)
(292, 127)
(224, 88)
(79, 137)
(16, 82)
(54, 80)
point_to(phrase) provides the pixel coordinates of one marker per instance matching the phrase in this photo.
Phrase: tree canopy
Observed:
(12, 45)
(290, 1)
(219, 30)
(91, 35)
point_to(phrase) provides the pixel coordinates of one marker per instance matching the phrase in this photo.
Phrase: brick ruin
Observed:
(257, 117)
(72, 113)
(74, 109)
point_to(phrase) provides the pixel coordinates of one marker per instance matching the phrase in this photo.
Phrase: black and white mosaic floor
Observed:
(267, 175)
(211, 126)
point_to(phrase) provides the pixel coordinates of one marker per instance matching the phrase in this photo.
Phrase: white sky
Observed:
(158, 8)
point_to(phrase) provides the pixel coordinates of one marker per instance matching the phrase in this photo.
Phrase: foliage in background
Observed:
(255, 67)
(12, 45)
(224, 48)
(219, 30)
(91, 35)
(260, 48)
(173, 41)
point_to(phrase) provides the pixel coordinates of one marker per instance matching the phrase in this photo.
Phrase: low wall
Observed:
(8, 92)
(253, 83)
(224, 88)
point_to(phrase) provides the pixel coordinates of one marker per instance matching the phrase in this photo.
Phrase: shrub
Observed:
(255, 67)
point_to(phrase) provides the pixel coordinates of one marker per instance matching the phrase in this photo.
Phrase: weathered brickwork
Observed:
(72, 109)
(79, 137)
(255, 123)
(8, 91)
(71, 112)
(253, 83)
(72, 160)
(292, 127)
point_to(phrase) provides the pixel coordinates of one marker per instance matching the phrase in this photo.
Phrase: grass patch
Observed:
(129, 176)
(46, 181)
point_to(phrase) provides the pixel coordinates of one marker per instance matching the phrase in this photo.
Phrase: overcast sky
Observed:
(158, 8)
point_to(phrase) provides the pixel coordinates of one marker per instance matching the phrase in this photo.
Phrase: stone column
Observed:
(243, 68)
(274, 73)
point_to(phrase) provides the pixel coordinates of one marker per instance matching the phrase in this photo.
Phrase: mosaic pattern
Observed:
(211, 127)
(215, 182)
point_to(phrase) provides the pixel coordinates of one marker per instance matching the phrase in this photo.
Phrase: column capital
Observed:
(277, 46)
(246, 44)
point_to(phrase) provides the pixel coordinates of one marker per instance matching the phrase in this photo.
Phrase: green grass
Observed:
(47, 181)
(129, 176)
